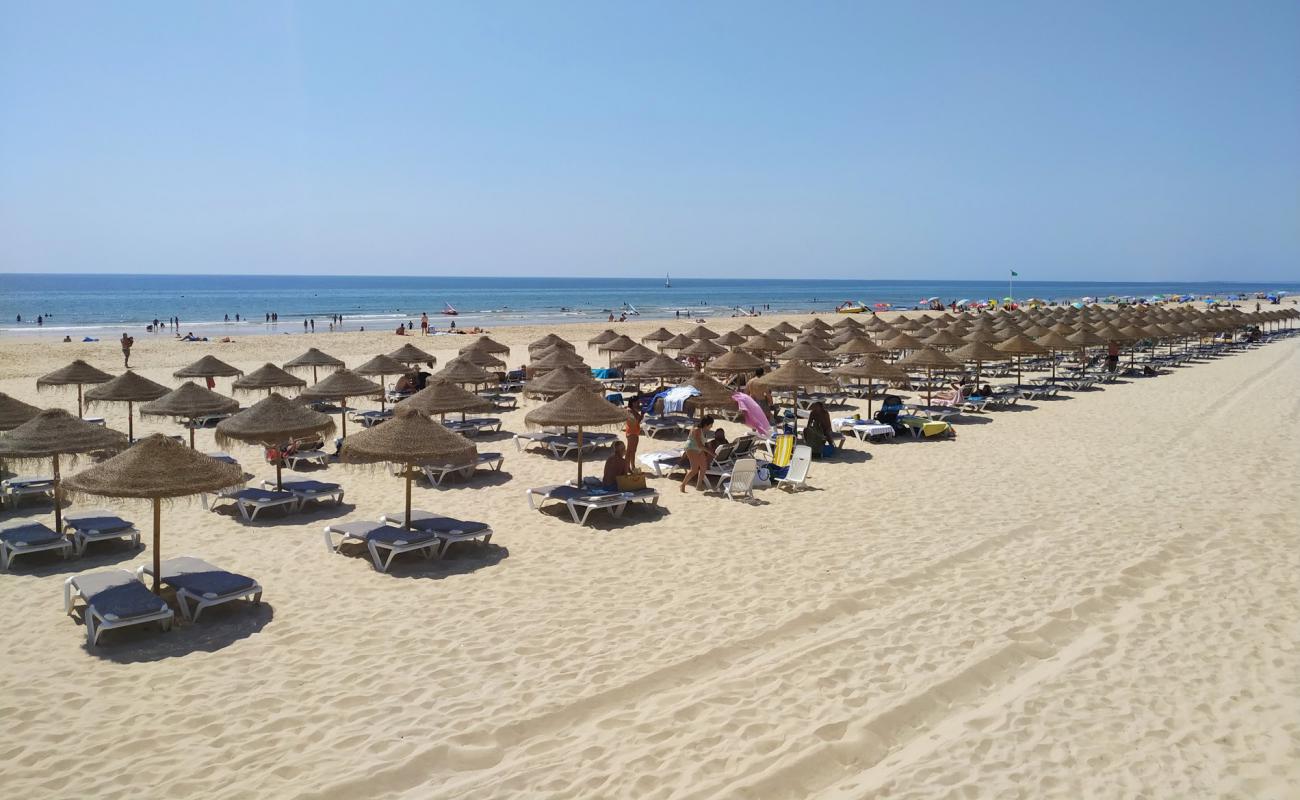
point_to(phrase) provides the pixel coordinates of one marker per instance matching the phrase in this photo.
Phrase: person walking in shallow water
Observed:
(127, 341)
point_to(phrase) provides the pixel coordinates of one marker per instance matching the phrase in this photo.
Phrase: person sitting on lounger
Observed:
(615, 467)
(817, 433)
(406, 384)
(718, 439)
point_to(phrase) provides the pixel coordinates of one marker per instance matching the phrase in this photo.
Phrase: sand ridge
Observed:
(1095, 597)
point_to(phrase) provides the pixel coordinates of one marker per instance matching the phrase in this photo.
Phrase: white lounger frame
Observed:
(97, 623)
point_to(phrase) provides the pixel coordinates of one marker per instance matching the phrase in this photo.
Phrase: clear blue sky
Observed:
(1140, 141)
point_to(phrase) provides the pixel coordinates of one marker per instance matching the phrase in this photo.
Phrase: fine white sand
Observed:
(1093, 598)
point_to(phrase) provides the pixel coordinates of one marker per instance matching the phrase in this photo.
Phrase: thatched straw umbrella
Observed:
(762, 343)
(635, 354)
(712, 393)
(578, 408)
(873, 369)
(78, 374)
(903, 342)
(129, 388)
(777, 334)
(617, 345)
(482, 358)
(463, 372)
(748, 330)
(661, 367)
(268, 377)
(550, 340)
(555, 358)
(382, 366)
(340, 385)
(730, 339)
(486, 344)
(701, 332)
(53, 433)
(660, 335)
(735, 362)
(943, 339)
(846, 322)
(560, 380)
(794, 375)
(314, 359)
(1055, 343)
(1018, 346)
(979, 352)
(804, 351)
(858, 346)
(189, 402)
(14, 412)
(703, 349)
(930, 359)
(676, 343)
(608, 335)
(445, 398)
(815, 323)
(271, 422)
(1084, 338)
(208, 367)
(784, 327)
(410, 354)
(156, 469)
(410, 438)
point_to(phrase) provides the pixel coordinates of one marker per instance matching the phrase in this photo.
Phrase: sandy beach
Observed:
(1096, 595)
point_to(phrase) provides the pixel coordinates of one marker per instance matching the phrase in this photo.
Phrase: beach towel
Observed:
(676, 397)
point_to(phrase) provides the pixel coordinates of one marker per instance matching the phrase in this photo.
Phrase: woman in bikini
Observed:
(697, 453)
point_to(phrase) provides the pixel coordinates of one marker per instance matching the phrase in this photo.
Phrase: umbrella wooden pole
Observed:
(58, 497)
(383, 396)
(929, 386)
(869, 393)
(191, 426)
(579, 455)
(157, 541)
(279, 467)
(80, 412)
(409, 469)
(345, 418)
(130, 422)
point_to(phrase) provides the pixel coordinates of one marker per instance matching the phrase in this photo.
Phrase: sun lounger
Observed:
(672, 423)
(797, 476)
(98, 525)
(114, 598)
(206, 421)
(562, 445)
(863, 428)
(367, 419)
(474, 425)
(310, 456)
(377, 537)
(437, 473)
(923, 426)
(309, 490)
(23, 538)
(449, 530)
(251, 501)
(588, 500)
(196, 581)
(13, 490)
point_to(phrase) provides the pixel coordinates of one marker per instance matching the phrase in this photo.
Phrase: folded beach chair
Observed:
(589, 499)
(23, 538)
(449, 530)
(307, 491)
(199, 583)
(98, 525)
(378, 537)
(663, 462)
(778, 450)
(114, 598)
(797, 476)
(740, 480)
(437, 473)
(251, 501)
(13, 490)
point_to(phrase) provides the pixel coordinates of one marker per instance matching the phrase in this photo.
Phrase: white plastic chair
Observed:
(797, 476)
(740, 480)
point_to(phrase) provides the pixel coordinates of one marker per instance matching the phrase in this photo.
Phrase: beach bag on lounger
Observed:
(631, 483)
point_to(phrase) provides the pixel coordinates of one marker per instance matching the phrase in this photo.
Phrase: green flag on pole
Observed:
(1015, 274)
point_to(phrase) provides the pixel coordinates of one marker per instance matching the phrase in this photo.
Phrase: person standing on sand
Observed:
(633, 428)
(424, 324)
(697, 454)
(127, 341)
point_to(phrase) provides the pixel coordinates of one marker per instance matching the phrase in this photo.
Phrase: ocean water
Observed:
(92, 305)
